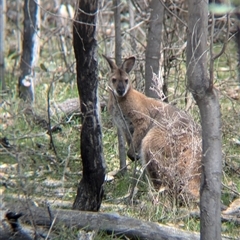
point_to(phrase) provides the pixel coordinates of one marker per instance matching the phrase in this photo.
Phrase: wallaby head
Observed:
(119, 79)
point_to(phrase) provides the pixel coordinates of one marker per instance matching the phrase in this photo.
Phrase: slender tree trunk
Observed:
(122, 151)
(90, 188)
(2, 34)
(118, 38)
(131, 25)
(207, 100)
(133, 36)
(237, 39)
(118, 57)
(154, 39)
(30, 52)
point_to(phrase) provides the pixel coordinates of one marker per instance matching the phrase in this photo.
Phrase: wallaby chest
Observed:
(120, 116)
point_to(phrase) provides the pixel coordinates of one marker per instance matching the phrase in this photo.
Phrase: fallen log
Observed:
(70, 106)
(109, 222)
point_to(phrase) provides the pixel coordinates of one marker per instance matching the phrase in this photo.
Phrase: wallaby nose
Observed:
(120, 89)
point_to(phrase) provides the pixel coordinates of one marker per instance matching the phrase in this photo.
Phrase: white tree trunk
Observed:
(30, 52)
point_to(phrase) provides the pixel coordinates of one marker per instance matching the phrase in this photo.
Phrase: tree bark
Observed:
(131, 25)
(237, 39)
(118, 38)
(29, 56)
(154, 39)
(90, 188)
(118, 57)
(2, 34)
(207, 100)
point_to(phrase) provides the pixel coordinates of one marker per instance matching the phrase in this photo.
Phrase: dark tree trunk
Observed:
(30, 49)
(90, 188)
(154, 38)
(207, 100)
(118, 57)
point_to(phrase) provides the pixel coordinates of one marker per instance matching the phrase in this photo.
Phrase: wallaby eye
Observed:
(114, 80)
(126, 81)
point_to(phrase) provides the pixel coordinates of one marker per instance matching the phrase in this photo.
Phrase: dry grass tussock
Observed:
(171, 153)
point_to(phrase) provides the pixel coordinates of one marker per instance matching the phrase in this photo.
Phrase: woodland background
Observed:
(46, 167)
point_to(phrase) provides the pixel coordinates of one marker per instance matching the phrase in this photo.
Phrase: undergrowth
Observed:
(33, 167)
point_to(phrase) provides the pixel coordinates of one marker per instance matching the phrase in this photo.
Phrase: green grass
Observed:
(38, 162)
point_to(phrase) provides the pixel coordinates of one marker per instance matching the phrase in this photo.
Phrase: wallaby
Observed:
(165, 138)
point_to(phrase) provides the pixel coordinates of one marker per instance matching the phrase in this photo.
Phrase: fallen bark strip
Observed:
(119, 225)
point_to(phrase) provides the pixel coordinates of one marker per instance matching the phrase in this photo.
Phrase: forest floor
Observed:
(31, 169)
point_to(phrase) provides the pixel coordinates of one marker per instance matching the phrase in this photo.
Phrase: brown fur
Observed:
(166, 138)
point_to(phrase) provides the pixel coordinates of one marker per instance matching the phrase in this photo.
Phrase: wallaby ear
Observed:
(128, 64)
(111, 63)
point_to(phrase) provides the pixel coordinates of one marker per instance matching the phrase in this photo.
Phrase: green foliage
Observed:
(63, 233)
(220, 8)
(231, 229)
